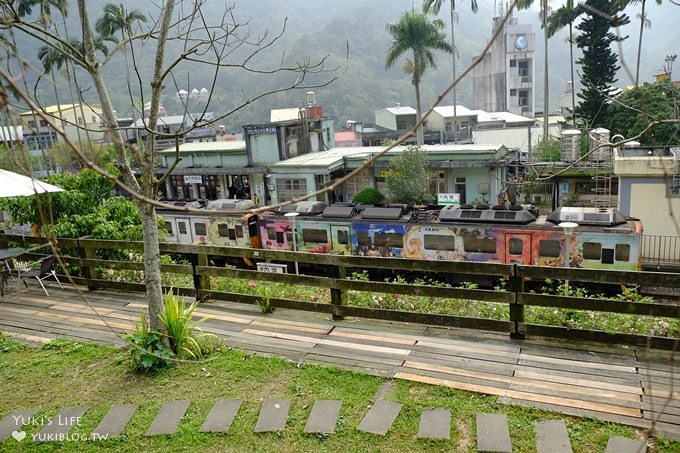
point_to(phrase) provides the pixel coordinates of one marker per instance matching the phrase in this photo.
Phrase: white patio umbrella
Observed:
(16, 185)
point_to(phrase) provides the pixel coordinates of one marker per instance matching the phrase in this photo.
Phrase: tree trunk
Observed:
(453, 45)
(420, 136)
(545, 71)
(639, 49)
(152, 275)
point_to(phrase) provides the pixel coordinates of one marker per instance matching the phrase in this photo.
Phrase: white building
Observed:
(504, 78)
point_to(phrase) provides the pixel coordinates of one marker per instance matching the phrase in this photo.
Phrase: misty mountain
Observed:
(317, 30)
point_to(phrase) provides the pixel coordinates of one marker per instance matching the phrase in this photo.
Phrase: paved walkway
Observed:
(623, 385)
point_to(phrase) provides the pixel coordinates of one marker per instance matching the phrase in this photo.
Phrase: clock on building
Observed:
(521, 42)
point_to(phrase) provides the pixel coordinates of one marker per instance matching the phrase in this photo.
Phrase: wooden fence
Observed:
(82, 254)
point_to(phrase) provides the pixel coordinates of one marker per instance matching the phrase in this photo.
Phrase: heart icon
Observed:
(19, 435)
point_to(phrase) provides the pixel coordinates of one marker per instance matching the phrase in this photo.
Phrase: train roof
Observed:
(588, 216)
(482, 213)
(304, 207)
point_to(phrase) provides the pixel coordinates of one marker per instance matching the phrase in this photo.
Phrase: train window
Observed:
(389, 240)
(200, 229)
(222, 230)
(252, 226)
(622, 252)
(182, 227)
(232, 234)
(239, 231)
(439, 242)
(548, 248)
(515, 246)
(479, 244)
(592, 251)
(168, 227)
(607, 256)
(342, 237)
(271, 234)
(363, 238)
(315, 235)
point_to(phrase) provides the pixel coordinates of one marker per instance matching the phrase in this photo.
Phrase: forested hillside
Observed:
(328, 29)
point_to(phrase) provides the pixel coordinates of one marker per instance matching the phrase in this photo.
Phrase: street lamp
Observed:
(568, 228)
(292, 216)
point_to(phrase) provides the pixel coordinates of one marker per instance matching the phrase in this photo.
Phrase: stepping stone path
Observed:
(11, 424)
(221, 416)
(435, 423)
(114, 421)
(380, 417)
(168, 418)
(618, 444)
(59, 426)
(492, 429)
(324, 417)
(552, 437)
(273, 416)
(493, 433)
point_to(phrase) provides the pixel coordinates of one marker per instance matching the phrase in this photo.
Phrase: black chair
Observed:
(45, 271)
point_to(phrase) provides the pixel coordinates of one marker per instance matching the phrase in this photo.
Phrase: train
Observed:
(603, 239)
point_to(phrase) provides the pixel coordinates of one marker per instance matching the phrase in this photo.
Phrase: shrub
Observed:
(184, 335)
(369, 196)
(147, 351)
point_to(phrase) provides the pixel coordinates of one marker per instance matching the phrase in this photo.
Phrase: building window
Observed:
(513, 63)
(523, 68)
(289, 189)
(459, 188)
(94, 118)
(80, 120)
(436, 181)
(513, 92)
(402, 125)
(523, 97)
(168, 228)
(447, 127)
(355, 185)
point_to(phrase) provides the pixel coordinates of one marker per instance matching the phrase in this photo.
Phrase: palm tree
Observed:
(117, 18)
(644, 22)
(565, 17)
(416, 33)
(435, 6)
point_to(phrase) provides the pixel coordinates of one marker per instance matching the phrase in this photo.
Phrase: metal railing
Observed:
(660, 251)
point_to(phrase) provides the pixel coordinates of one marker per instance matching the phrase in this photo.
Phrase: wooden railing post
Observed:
(337, 295)
(516, 309)
(201, 282)
(85, 252)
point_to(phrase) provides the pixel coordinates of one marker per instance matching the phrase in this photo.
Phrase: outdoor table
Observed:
(6, 254)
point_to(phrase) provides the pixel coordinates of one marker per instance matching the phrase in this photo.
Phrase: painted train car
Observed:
(604, 238)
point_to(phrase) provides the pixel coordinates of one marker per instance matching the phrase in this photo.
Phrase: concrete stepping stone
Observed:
(59, 426)
(435, 423)
(380, 417)
(618, 444)
(324, 416)
(168, 418)
(13, 422)
(221, 416)
(552, 437)
(114, 421)
(493, 434)
(273, 415)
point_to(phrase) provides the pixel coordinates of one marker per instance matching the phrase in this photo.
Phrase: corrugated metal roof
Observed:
(513, 137)
(400, 110)
(334, 156)
(213, 147)
(54, 109)
(446, 111)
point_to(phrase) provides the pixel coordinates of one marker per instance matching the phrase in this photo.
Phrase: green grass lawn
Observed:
(63, 373)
